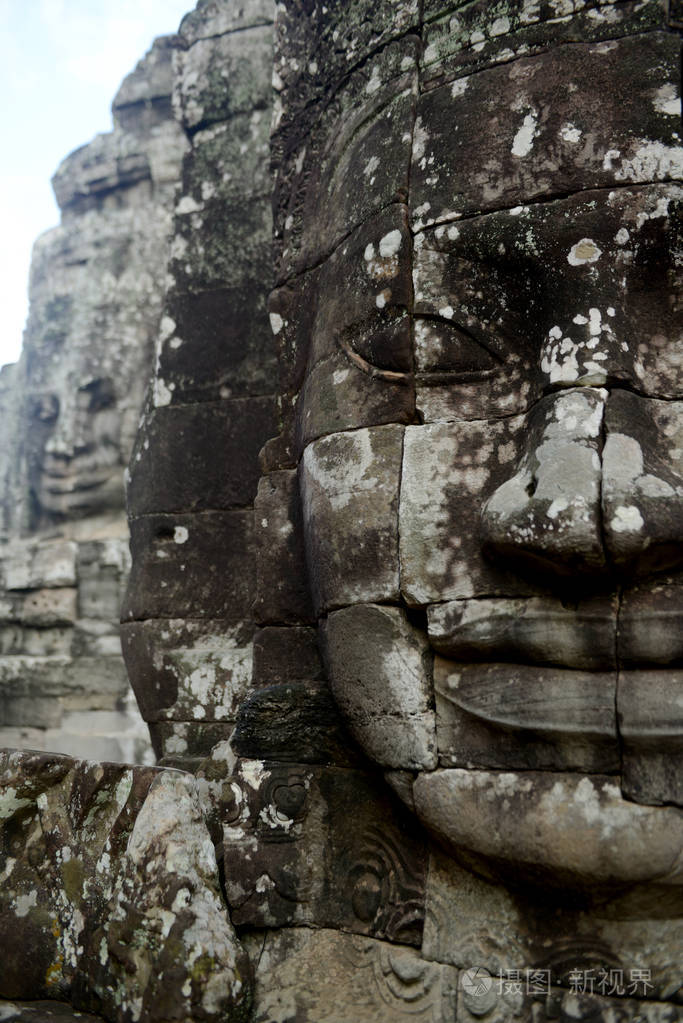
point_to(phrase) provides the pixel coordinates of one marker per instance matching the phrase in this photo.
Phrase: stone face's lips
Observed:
(577, 827)
(594, 635)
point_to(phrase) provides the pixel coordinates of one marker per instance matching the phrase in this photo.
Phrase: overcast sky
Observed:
(62, 62)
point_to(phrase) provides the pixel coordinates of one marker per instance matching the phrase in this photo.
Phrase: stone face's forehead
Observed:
(533, 129)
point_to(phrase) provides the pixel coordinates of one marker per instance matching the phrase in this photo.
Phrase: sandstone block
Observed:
(219, 77)
(282, 590)
(347, 478)
(188, 670)
(213, 348)
(649, 711)
(288, 654)
(175, 466)
(302, 846)
(597, 835)
(193, 566)
(295, 722)
(525, 717)
(32, 564)
(305, 972)
(213, 18)
(380, 673)
(523, 153)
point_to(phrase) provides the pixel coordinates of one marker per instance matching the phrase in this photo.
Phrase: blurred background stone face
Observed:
(71, 410)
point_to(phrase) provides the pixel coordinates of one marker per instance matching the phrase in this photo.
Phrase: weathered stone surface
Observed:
(448, 470)
(302, 847)
(519, 300)
(521, 716)
(42, 1012)
(325, 976)
(642, 491)
(175, 468)
(297, 722)
(30, 565)
(184, 670)
(529, 630)
(182, 563)
(380, 671)
(650, 708)
(579, 828)
(224, 75)
(214, 18)
(220, 243)
(547, 138)
(649, 613)
(348, 478)
(282, 590)
(212, 348)
(463, 38)
(474, 922)
(184, 745)
(314, 52)
(111, 881)
(286, 655)
(364, 136)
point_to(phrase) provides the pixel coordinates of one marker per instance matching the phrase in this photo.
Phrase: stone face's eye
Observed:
(443, 347)
(98, 394)
(45, 408)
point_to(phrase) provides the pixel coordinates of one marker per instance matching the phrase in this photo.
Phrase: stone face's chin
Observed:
(556, 828)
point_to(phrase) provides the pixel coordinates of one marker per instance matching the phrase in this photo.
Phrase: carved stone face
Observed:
(491, 429)
(77, 462)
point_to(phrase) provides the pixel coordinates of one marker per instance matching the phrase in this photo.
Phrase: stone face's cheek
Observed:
(448, 471)
(349, 487)
(642, 490)
(380, 673)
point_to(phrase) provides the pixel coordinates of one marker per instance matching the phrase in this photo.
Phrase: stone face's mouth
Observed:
(596, 634)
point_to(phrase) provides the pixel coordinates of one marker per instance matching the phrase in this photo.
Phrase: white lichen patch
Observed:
(584, 251)
(570, 133)
(667, 101)
(254, 773)
(390, 244)
(459, 87)
(523, 141)
(180, 534)
(10, 803)
(276, 323)
(652, 161)
(627, 519)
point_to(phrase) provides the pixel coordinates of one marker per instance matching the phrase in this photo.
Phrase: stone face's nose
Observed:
(547, 516)
(599, 486)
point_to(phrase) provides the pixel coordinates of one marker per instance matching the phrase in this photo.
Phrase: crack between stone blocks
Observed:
(543, 200)
(445, 80)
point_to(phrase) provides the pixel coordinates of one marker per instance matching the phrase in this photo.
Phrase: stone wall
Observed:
(187, 627)
(71, 406)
